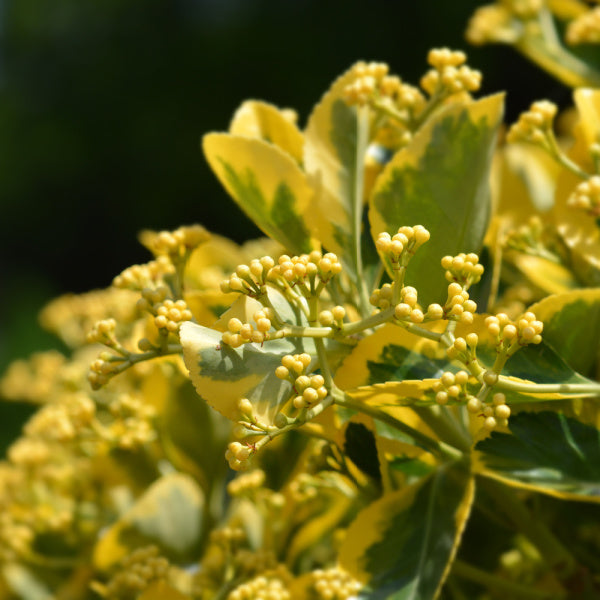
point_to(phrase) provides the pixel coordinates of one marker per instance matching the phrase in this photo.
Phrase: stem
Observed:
(372, 321)
(560, 157)
(549, 547)
(510, 588)
(422, 440)
(324, 364)
(591, 388)
(362, 140)
(559, 62)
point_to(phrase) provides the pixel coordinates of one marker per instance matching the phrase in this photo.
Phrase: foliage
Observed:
(390, 428)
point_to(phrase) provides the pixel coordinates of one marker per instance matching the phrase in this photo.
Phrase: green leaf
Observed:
(546, 452)
(336, 139)
(402, 545)
(267, 122)
(572, 326)
(266, 183)
(441, 181)
(360, 447)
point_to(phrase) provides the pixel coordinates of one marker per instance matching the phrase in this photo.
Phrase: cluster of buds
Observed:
(464, 349)
(492, 23)
(494, 414)
(168, 314)
(64, 420)
(308, 390)
(585, 29)
(137, 277)
(238, 455)
(407, 309)
(586, 196)
(463, 269)
(535, 125)
(334, 584)
(289, 271)
(246, 483)
(375, 87)
(298, 269)
(132, 425)
(107, 365)
(262, 587)
(139, 570)
(103, 332)
(177, 244)
(400, 247)
(239, 333)
(510, 336)
(449, 74)
(249, 279)
(333, 317)
(369, 81)
(458, 306)
(451, 386)
(527, 237)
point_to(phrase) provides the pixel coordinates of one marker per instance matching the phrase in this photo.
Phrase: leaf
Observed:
(361, 449)
(266, 122)
(546, 452)
(440, 181)
(391, 354)
(266, 183)
(335, 148)
(168, 514)
(223, 375)
(402, 545)
(572, 326)
(550, 277)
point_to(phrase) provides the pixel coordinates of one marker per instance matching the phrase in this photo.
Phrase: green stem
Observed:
(422, 440)
(362, 140)
(560, 63)
(493, 582)
(369, 322)
(560, 157)
(591, 388)
(324, 364)
(549, 547)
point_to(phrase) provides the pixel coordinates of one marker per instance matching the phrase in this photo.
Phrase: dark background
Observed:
(102, 106)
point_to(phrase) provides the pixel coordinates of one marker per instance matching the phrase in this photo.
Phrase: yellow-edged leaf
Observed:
(257, 119)
(336, 139)
(441, 181)
(266, 183)
(422, 523)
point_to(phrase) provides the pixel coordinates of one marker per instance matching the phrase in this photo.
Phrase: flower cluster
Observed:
(463, 269)
(143, 567)
(585, 29)
(400, 247)
(535, 125)
(449, 74)
(239, 333)
(334, 584)
(510, 336)
(586, 196)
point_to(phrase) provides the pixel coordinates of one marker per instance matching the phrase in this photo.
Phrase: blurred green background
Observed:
(102, 106)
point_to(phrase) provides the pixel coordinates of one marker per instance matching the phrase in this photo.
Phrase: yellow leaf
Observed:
(264, 121)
